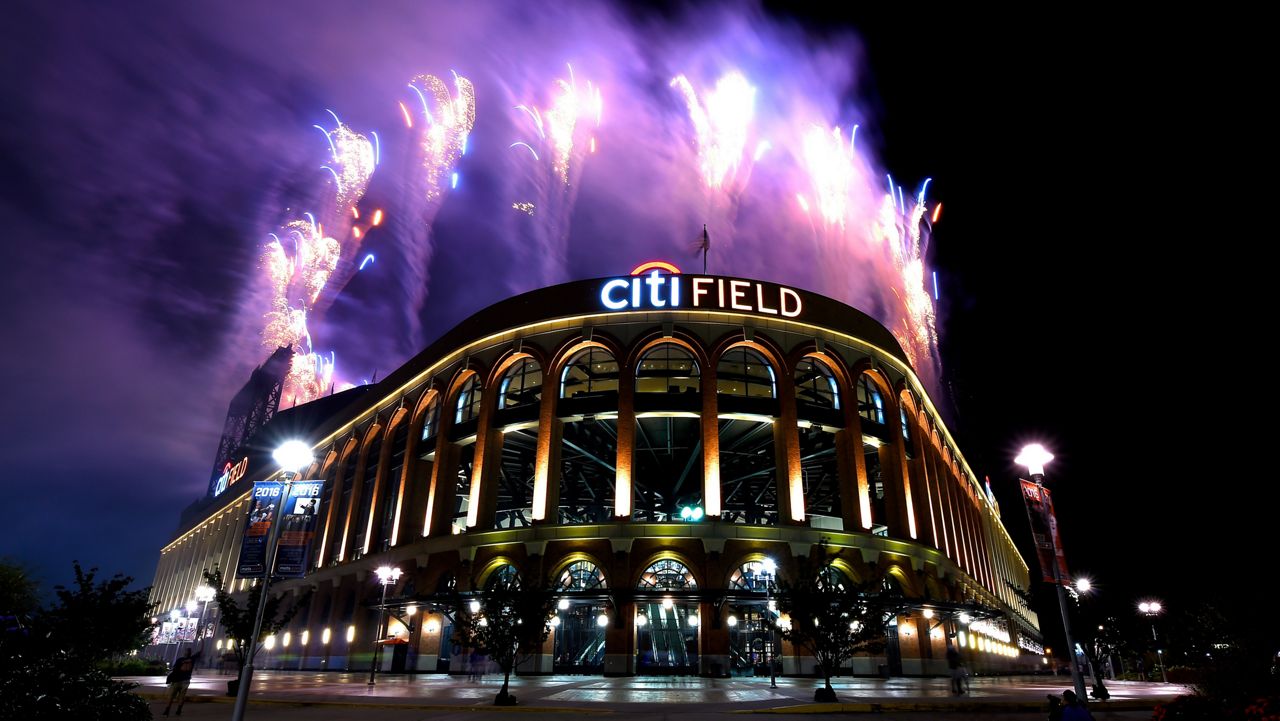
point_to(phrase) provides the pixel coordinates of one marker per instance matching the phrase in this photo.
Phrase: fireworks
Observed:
(832, 171)
(720, 123)
(445, 131)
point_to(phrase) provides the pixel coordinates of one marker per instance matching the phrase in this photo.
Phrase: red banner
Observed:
(1044, 529)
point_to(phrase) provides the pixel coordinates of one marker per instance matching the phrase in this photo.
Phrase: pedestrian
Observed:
(1072, 709)
(179, 679)
(957, 670)
(473, 664)
(1055, 708)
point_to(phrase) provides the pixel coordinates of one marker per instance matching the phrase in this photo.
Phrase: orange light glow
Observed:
(655, 265)
(936, 212)
(355, 212)
(355, 232)
(408, 119)
(377, 217)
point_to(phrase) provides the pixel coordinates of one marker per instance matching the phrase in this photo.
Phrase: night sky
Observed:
(146, 150)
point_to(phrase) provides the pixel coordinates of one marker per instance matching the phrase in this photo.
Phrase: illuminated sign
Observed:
(659, 285)
(231, 474)
(1028, 644)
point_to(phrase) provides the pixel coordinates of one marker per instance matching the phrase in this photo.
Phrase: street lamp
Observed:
(1151, 609)
(770, 569)
(174, 615)
(292, 456)
(1034, 457)
(204, 594)
(387, 576)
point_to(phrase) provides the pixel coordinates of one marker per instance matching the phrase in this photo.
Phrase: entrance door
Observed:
(579, 646)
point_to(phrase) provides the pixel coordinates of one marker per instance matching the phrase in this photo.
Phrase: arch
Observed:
(668, 367)
(661, 571)
(873, 397)
(360, 513)
(494, 564)
(392, 486)
(847, 569)
(685, 340)
(581, 574)
(905, 578)
(519, 382)
(759, 342)
(750, 574)
(591, 369)
(817, 383)
(833, 577)
(505, 576)
(743, 370)
(330, 538)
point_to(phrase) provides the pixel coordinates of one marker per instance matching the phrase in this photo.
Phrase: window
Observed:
(668, 368)
(833, 579)
(752, 576)
(469, 400)
(906, 426)
(398, 441)
(667, 575)
(521, 385)
(870, 402)
(748, 472)
(366, 495)
(745, 373)
(589, 372)
(581, 576)
(431, 418)
(505, 578)
(816, 384)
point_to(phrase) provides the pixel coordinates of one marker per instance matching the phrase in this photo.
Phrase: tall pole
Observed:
(382, 612)
(246, 674)
(1076, 678)
(768, 594)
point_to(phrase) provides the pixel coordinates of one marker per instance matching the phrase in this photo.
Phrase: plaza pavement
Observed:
(319, 696)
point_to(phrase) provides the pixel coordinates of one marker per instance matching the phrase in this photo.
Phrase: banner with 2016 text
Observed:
(298, 528)
(1044, 529)
(264, 509)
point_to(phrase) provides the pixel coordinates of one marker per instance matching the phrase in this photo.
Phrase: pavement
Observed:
(322, 696)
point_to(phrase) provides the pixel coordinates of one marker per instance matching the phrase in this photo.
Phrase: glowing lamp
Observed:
(1034, 457)
(292, 456)
(602, 620)
(1083, 585)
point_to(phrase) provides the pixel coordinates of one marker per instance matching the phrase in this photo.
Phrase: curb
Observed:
(960, 706)
(305, 703)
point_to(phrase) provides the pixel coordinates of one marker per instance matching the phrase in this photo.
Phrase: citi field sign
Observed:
(658, 285)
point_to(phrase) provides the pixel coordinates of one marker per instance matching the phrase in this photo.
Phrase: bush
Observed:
(57, 687)
(134, 666)
(1201, 708)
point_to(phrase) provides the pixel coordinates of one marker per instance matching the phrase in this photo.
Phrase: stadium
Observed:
(664, 448)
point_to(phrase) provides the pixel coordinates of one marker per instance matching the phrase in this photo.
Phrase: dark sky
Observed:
(145, 151)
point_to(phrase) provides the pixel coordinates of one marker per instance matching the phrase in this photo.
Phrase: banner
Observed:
(298, 528)
(167, 629)
(264, 506)
(1044, 529)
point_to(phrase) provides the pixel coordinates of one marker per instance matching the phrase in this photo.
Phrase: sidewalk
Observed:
(671, 695)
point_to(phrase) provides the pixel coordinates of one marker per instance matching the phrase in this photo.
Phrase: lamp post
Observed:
(204, 594)
(1034, 457)
(387, 576)
(174, 615)
(1151, 609)
(292, 456)
(770, 569)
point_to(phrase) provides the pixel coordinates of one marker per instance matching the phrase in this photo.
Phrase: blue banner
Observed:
(298, 528)
(264, 508)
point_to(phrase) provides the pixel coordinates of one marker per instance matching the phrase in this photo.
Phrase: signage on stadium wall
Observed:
(264, 507)
(298, 528)
(1027, 644)
(660, 286)
(231, 474)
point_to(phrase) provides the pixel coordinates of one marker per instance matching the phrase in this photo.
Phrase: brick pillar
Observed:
(624, 480)
(710, 444)
(786, 443)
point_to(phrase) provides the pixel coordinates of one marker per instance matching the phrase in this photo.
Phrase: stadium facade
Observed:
(655, 445)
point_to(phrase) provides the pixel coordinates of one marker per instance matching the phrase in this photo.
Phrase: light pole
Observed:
(1034, 457)
(1151, 609)
(387, 576)
(1082, 587)
(174, 615)
(770, 569)
(292, 456)
(204, 594)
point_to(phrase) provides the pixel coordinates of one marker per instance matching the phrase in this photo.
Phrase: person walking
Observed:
(179, 679)
(957, 670)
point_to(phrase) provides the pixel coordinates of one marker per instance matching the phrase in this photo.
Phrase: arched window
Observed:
(668, 368)
(816, 384)
(581, 576)
(753, 576)
(833, 579)
(521, 384)
(906, 426)
(469, 400)
(870, 402)
(589, 372)
(667, 575)
(745, 373)
(361, 529)
(431, 418)
(398, 442)
(505, 578)
(348, 482)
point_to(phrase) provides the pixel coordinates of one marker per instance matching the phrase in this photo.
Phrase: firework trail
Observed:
(553, 162)
(722, 121)
(302, 283)
(440, 120)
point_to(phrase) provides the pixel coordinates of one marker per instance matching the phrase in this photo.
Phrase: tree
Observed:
(237, 620)
(508, 620)
(833, 618)
(51, 663)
